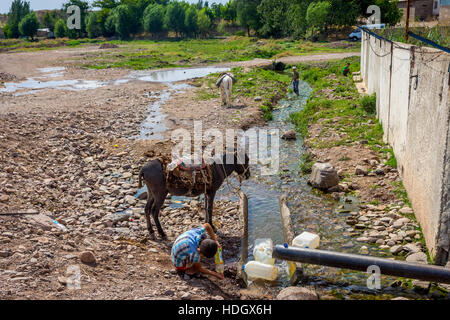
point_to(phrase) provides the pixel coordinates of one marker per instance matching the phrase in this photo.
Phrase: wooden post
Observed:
(407, 20)
(295, 269)
(243, 217)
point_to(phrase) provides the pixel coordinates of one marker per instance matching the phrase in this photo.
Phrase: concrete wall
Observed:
(412, 87)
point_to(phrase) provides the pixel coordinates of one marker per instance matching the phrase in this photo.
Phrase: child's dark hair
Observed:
(208, 248)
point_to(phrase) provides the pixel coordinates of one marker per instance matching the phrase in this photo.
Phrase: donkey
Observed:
(157, 187)
(226, 86)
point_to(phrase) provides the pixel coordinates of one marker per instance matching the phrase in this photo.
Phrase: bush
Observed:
(239, 33)
(369, 103)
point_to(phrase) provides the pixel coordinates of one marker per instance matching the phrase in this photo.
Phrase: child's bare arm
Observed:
(210, 232)
(198, 267)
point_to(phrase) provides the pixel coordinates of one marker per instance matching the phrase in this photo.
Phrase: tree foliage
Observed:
(29, 25)
(18, 10)
(154, 18)
(60, 28)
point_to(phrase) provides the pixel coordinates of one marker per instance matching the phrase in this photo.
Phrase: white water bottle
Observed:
(258, 270)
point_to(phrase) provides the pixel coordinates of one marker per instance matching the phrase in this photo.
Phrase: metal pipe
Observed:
(361, 263)
(408, 4)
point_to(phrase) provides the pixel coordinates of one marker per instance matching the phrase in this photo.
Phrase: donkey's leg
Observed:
(155, 212)
(230, 87)
(148, 207)
(209, 207)
(223, 94)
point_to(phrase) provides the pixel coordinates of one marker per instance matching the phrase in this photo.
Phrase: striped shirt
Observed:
(185, 248)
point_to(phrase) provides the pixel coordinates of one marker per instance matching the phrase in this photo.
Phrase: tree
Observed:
(175, 17)
(228, 11)
(60, 29)
(18, 10)
(343, 13)
(48, 21)
(93, 25)
(274, 13)
(154, 18)
(247, 14)
(190, 21)
(109, 28)
(28, 25)
(123, 21)
(317, 13)
(203, 22)
(390, 13)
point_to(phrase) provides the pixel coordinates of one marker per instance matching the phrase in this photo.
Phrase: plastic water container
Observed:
(306, 240)
(258, 270)
(262, 252)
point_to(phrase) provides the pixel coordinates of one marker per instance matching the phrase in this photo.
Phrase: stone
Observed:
(297, 293)
(257, 98)
(4, 198)
(360, 171)
(400, 222)
(363, 250)
(289, 135)
(87, 257)
(399, 298)
(130, 199)
(412, 248)
(323, 176)
(418, 257)
(421, 287)
(363, 239)
(396, 249)
(406, 210)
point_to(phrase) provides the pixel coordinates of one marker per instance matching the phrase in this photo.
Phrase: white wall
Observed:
(415, 119)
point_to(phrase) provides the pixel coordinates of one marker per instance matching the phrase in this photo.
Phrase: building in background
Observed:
(420, 9)
(444, 12)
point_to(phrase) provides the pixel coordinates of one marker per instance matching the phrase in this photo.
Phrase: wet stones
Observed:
(289, 135)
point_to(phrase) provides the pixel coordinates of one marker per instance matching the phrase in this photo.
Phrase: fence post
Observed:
(295, 268)
(243, 217)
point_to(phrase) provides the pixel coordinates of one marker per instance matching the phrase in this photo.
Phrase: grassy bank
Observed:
(343, 114)
(266, 86)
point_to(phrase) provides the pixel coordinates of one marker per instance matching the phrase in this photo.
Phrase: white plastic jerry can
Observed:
(306, 240)
(258, 270)
(262, 251)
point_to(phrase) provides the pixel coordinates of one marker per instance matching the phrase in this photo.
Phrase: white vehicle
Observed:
(356, 35)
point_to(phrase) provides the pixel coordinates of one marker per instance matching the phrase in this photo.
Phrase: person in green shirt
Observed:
(346, 70)
(295, 79)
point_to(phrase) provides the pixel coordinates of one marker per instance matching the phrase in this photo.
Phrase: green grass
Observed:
(336, 97)
(269, 85)
(306, 163)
